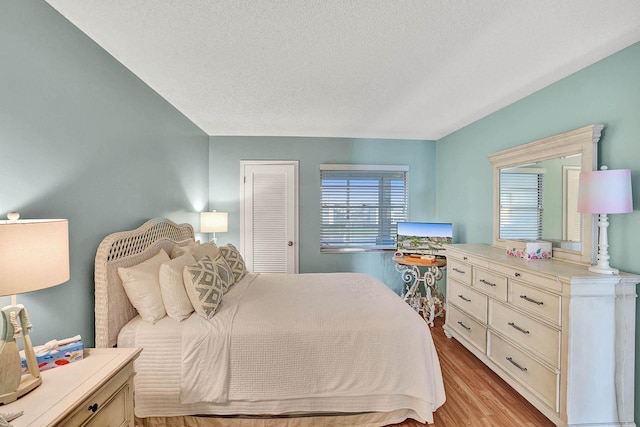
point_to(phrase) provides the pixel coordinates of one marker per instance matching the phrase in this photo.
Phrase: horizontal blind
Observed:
(521, 205)
(360, 207)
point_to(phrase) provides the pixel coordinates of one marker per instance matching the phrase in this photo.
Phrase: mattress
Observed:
(290, 344)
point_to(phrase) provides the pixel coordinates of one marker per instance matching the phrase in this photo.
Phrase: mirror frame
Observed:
(579, 141)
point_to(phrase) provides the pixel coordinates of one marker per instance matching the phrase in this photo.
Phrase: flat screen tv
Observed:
(423, 237)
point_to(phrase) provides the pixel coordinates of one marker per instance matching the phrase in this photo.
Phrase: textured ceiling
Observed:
(417, 69)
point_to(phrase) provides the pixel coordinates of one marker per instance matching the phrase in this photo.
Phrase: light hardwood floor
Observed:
(476, 396)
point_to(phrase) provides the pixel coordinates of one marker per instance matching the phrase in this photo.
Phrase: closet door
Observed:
(269, 215)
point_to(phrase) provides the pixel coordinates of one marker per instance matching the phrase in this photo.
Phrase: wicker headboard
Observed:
(124, 249)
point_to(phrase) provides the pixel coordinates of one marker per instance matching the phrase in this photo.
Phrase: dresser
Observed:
(96, 391)
(561, 336)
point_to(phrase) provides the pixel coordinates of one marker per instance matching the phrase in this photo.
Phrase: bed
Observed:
(282, 350)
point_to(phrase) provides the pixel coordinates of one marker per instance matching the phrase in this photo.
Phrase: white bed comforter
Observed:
(283, 337)
(338, 342)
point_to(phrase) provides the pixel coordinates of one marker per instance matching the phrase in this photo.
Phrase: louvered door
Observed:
(270, 216)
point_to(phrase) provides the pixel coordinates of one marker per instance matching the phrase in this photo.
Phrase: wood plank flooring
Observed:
(476, 396)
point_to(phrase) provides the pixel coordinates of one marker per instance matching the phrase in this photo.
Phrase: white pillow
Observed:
(174, 295)
(142, 285)
(176, 251)
(205, 249)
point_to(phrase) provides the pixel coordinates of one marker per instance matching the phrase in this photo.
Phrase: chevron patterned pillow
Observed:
(206, 282)
(235, 261)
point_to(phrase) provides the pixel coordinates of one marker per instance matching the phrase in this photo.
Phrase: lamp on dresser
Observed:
(604, 192)
(214, 222)
(34, 254)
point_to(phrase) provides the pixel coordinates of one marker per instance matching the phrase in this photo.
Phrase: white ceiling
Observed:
(411, 69)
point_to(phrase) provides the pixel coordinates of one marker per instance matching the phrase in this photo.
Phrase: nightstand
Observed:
(95, 391)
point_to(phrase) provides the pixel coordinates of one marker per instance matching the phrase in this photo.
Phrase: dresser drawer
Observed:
(489, 283)
(465, 325)
(540, 303)
(459, 271)
(112, 393)
(472, 302)
(466, 258)
(539, 338)
(525, 276)
(116, 412)
(532, 374)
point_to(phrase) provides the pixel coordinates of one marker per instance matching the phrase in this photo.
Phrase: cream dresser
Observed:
(561, 336)
(96, 391)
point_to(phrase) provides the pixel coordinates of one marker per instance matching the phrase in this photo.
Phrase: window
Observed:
(521, 203)
(361, 205)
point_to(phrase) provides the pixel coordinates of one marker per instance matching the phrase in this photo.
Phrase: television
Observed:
(423, 237)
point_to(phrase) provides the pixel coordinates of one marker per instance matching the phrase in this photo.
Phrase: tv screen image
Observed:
(423, 237)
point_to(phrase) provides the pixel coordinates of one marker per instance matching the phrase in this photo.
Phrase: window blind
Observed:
(361, 206)
(521, 205)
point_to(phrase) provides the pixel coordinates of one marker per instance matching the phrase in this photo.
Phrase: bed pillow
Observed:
(142, 285)
(205, 249)
(235, 261)
(174, 294)
(177, 251)
(206, 281)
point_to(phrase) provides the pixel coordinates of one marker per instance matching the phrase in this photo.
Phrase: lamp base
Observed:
(13, 385)
(27, 383)
(603, 270)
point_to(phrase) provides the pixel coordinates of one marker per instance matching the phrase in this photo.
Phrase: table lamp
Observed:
(214, 222)
(604, 192)
(34, 254)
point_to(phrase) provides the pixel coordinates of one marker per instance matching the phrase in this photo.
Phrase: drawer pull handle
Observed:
(486, 282)
(464, 326)
(463, 298)
(517, 274)
(516, 365)
(93, 408)
(518, 328)
(457, 270)
(526, 298)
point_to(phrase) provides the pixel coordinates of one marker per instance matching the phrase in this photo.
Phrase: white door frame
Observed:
(296, 239)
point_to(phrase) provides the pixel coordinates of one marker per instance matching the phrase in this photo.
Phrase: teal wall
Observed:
(225, 156)
(82, 138)
(607, 92)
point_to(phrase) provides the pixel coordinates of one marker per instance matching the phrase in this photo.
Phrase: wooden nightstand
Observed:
(96, 391)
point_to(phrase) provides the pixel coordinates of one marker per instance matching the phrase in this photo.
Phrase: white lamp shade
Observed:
(605, 192)
(34, 254)
(214, 222)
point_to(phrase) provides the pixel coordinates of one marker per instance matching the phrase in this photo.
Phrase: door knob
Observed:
(289, 243)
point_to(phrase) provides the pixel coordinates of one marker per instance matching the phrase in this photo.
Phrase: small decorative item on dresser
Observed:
(56, 353)
(529, 249)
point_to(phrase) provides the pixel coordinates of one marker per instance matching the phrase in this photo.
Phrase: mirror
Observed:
(535, 193)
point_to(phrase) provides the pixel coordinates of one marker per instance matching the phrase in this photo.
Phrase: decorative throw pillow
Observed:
(174, 294)
(142, 285)
(206, 281)
(235, 261)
